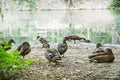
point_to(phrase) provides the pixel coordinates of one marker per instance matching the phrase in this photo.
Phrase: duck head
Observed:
(38, 37)
(108, 51)
(99, 45)
(25, 44)
(87, 41)
(11, 41)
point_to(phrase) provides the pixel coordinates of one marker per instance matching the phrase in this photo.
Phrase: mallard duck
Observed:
(51, 54)
(75, 37)
(24, 48)
(62, 47)
(42, 40)
(103, 57)
(8, 45)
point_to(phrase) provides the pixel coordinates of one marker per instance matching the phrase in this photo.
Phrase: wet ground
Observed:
(75, 65)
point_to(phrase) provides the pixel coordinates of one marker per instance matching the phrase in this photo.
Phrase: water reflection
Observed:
(96, 25)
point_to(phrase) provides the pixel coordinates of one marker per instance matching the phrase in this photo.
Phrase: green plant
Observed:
(30, 3)
(11, 63)
(115, 4)
(6, 45)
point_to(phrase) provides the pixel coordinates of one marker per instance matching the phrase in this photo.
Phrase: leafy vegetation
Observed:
(6, 45)
(29, 3)
(115, 4)
(11, 63)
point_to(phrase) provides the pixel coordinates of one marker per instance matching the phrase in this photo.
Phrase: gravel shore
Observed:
(75, 65)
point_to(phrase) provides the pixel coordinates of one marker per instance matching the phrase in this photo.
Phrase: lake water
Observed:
(97, 25)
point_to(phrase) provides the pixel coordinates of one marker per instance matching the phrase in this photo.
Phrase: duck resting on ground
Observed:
(52, 55)
(76, 37)
(8, 45)
(24, 48)
(62, 47)
(102, 57)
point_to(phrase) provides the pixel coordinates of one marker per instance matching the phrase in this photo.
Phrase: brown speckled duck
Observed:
(42, 40)
(52, 55)
(76, 37)
(102, 57)
(62, 47)
(24, 48)
(9, 44)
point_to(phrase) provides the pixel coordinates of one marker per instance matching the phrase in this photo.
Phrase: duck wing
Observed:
(52, 54)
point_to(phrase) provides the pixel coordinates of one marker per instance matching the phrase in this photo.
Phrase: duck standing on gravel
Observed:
(24, 48)
(42, 40)
(62, 47)
(76, 37)
(51, 54)
(8, 45)
(102, 57)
